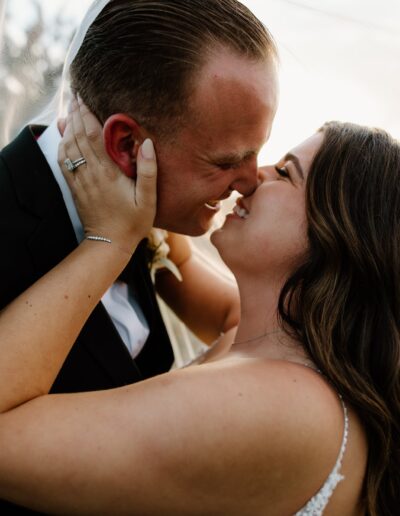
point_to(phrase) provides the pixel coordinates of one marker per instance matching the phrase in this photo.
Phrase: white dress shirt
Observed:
(119, 300)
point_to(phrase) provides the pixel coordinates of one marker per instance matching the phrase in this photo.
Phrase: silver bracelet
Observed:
(99, 239)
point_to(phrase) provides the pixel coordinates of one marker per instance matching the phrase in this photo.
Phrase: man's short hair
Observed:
(140, 57)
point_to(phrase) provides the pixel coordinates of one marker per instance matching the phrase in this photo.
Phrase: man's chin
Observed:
(191, 231)
(189, 227)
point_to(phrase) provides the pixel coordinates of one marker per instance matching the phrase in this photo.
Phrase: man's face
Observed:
(215, 152)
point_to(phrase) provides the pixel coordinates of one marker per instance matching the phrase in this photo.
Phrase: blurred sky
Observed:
(339, 60)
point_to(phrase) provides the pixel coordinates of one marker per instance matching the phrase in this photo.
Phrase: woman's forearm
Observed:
(205, 301)
(38, 329)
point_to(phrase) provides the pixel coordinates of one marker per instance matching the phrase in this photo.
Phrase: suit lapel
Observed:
(39, 194)
(30, 171)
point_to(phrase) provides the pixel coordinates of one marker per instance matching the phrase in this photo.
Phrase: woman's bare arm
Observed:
(210, 439)
(205, 301)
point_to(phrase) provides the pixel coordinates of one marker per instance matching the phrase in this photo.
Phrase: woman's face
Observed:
(267, 231)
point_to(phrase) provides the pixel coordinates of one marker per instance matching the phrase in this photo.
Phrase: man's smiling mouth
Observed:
(216, 204)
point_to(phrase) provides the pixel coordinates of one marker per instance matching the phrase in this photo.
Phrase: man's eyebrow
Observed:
(234, 157)
(295, 160)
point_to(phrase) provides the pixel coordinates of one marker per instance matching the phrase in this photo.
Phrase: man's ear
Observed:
(122, 139)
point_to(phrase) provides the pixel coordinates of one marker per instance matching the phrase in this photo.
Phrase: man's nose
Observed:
(262, 174)
(246, 180)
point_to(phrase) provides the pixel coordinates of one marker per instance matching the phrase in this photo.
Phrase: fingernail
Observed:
(147, 149)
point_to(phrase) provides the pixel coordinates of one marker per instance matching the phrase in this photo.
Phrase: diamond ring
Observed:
(73, 165)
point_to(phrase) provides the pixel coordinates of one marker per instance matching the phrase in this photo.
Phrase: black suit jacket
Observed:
(36, 234)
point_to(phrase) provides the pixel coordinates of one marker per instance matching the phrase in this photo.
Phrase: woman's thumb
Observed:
(146, 180)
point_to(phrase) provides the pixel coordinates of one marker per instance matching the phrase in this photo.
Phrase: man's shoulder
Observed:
(24, 170)
(24, 145)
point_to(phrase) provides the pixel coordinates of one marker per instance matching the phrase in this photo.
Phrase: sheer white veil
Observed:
(57, 105)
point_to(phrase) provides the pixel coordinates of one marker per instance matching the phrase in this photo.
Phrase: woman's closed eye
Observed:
(282, 172)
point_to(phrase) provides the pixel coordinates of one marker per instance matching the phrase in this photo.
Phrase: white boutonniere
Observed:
(157, 244)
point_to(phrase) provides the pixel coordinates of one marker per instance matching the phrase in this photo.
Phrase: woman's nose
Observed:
(263, 174)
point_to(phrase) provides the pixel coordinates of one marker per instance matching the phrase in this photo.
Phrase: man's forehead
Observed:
(230, 113)
(225, 69)
(222, 113)
(226, 60)
(233, 96)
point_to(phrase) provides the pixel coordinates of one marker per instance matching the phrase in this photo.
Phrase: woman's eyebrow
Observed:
(295, 160)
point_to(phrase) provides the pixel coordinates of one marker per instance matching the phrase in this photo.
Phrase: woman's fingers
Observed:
(69, 151)
(108, 202)
(73, 135)
(146, 179)
(62, 150)
(61, 124)
(83, 138)
(87, 124)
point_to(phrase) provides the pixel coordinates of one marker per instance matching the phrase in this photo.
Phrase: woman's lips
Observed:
(241, 209)
(242, 212)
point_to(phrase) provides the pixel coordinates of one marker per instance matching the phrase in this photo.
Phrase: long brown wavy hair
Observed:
(343, 302)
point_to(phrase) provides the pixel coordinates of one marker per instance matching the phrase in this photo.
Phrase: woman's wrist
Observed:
(127, 250)
(118, 237)
(108, 252)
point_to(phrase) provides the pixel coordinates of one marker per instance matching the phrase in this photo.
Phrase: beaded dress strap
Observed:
(318, 503)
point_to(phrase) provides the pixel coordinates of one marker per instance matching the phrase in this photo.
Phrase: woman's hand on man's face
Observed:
(110, 204)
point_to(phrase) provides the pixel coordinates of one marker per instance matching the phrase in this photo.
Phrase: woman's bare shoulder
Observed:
(279, 424)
